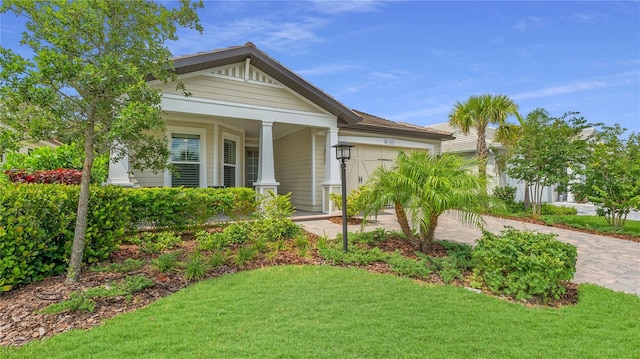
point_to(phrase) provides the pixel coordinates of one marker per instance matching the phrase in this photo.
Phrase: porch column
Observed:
(266, 170)
(331, 183)
(119, 172)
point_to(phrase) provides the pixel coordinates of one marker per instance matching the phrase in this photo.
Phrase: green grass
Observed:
(595, 223)
(330, 312)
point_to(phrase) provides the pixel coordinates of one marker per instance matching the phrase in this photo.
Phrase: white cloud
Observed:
(340, 7)
(529, 23)
(622, 79)
(560, 90)
(328, 69)
(590, 18)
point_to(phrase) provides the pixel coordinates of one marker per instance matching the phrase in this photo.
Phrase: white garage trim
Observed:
(387, 142)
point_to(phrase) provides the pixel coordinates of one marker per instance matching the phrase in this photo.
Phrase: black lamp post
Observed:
(343, 153)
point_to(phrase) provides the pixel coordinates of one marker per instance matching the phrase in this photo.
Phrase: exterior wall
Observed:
(231, 89)
(371, 152)
(293, 168)
(149, 179)
(225, 132)
(319, 153)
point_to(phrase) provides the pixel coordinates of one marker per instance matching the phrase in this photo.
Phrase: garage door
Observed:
(364, 160)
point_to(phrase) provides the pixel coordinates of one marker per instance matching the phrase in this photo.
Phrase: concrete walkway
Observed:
(608, 262)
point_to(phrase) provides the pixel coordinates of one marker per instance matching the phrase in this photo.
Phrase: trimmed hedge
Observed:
(523, 264)
(37, 223)
(182, 207)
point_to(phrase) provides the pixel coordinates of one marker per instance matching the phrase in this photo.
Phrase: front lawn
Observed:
(331, 312)
(595, 223)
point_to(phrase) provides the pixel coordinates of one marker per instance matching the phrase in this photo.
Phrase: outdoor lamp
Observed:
(343, 153)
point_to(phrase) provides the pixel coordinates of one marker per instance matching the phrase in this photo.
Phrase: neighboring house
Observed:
(465, 145)
(252, 122)
(27, 147)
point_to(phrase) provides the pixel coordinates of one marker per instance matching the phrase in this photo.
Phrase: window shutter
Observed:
(189, 175)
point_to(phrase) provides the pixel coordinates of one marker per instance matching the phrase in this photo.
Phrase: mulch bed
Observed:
(20, 322)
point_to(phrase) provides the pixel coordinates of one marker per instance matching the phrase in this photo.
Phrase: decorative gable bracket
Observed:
(243, 72)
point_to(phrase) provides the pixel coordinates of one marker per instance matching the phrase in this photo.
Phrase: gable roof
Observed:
(273, 68)
(347, 118)
(379, 125)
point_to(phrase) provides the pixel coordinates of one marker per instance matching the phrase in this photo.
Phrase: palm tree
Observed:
(422, 187)
(477, 113)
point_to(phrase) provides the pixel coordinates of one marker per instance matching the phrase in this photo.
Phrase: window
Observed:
(185, 156)
(230, 162)
(252, 167)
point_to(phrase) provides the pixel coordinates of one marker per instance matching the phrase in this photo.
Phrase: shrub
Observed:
(506, 194)
(59, 176)
(353, 206)
(37, 223)
(177, 208)
(274, 229)
(549, 209)
(67, 156)
(238, 232)
(523, 264)
(276, 206)
(211, 241)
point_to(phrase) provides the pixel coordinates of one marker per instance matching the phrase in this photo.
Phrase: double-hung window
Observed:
(230, 163)
(185, 157)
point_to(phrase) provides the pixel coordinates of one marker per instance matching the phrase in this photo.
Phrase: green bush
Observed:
(353, 206)
(67, 156)
(274, 229)
(37, 224)
(549, 209)
(506, 194)
(177, 208)
(275, 206)
(523, 264)
(151, 242)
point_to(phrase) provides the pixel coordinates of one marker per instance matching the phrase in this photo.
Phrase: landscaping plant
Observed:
(523, 264)
(422, 187)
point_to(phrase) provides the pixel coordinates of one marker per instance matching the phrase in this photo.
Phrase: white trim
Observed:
(386, 142)
(216, 130)
(195, 105)
(239, 157)
(202, 132)
(313, 168)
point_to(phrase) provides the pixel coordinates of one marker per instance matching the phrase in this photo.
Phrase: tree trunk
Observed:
(77, 250)
(482, 154)
(404, 223)
(430, 235)
(527, 195)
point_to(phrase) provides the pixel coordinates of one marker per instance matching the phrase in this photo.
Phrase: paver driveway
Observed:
(609, 262)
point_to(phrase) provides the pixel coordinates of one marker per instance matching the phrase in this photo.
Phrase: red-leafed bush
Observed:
(59, 176)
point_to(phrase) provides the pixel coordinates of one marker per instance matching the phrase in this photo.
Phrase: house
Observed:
(27, 147)
(465, 145)
(252, 122)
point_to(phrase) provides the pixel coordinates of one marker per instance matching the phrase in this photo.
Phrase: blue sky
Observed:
(411, 61)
